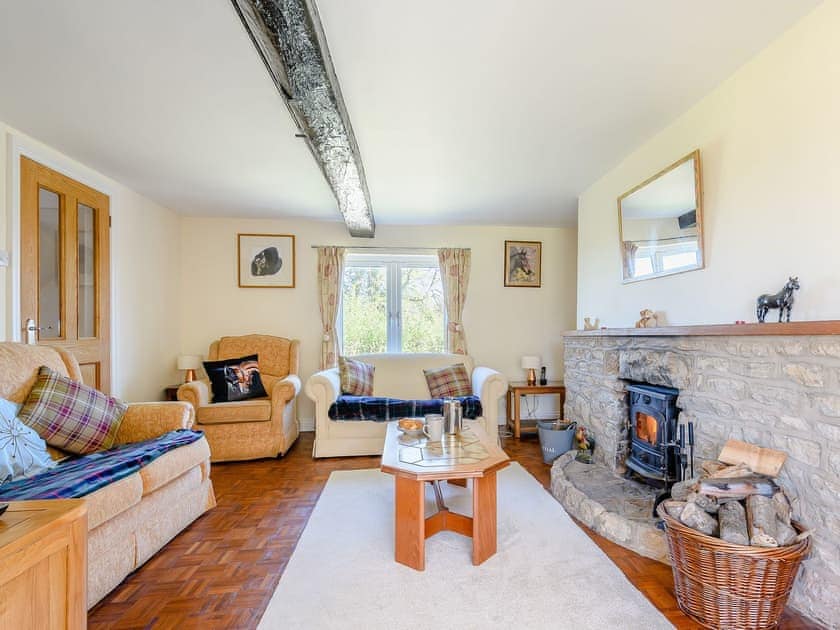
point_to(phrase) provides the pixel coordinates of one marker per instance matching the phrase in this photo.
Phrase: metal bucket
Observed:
(555, 441)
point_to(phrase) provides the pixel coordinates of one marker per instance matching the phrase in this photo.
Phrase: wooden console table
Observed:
(517, 390)
(43, 564)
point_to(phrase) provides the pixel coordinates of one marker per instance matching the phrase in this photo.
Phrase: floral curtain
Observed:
(330, 273)
(455, 274)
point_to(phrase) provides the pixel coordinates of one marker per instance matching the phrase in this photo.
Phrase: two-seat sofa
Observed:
(395, 376)
(131, 519)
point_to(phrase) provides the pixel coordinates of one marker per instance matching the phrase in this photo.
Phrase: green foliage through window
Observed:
(392, 305)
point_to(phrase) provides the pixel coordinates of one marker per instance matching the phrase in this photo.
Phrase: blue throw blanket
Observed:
(81, 476)
(384, 409)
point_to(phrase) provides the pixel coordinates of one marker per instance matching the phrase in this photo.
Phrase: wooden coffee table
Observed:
(416, 461)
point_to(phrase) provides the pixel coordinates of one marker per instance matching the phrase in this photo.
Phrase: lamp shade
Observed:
(189, 362)
(531, 362)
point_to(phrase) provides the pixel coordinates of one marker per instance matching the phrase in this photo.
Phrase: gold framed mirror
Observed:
(660, 223)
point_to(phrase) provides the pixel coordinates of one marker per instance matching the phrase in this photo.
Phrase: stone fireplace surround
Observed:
(774, 385)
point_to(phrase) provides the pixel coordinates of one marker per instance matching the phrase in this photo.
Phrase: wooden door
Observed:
(65, 283)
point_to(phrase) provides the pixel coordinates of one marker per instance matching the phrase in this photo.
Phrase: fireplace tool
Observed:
(683, 453)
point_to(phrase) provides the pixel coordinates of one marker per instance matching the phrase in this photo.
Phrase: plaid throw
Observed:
(384, 409)
(449, 382)
(82, 475)
(71, 416)
(356, 377)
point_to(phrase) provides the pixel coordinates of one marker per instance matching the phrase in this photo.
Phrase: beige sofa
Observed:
(396, 376)
(130, 519)
(258, 427)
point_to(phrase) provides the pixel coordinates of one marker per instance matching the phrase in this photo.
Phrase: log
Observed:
(704, 502)
(681, 489)
(697, 518)
(733, 523)
(738, 487)
(674, 508)
(761, 520)
(783, 509)
(711, 466)
(766, 461)
(763, 540)
(738, 470)
(785, 533)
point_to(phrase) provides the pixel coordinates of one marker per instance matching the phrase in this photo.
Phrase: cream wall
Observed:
(768, 140)
(144, 271)
(501, 323)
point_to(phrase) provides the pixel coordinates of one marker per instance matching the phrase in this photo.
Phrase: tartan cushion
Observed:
(356, 377)
(449, 382)
(71, 416)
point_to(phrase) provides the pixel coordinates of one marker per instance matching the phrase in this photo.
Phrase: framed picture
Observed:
(266, 260)
(523, 263)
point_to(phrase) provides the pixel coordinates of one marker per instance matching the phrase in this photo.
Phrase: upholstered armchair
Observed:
(255, 428)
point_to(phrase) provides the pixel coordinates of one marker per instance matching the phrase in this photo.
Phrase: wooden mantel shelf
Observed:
(826, 327)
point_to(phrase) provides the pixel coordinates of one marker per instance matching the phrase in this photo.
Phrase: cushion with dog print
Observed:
(235, 379)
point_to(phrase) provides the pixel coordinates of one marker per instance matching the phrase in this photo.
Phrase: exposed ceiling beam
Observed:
(290, 39)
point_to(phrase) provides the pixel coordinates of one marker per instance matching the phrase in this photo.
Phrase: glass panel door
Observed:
(50, 289)
(647, 428)
(64, 268)
(86, 229)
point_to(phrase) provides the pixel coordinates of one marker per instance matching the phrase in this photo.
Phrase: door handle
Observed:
(30, 328)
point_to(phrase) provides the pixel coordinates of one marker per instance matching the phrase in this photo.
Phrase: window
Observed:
(659, 258)
(391, 303)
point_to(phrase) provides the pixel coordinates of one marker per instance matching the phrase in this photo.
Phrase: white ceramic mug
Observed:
(434, 427)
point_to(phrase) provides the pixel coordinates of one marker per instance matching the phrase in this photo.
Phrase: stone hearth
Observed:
(615, 507)
(776, 391)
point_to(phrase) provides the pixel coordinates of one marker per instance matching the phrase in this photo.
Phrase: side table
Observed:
(171, 392)
(43, 564)
(518, 389)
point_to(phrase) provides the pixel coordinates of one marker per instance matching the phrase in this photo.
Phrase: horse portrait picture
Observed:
(523, 263)
(266, 260)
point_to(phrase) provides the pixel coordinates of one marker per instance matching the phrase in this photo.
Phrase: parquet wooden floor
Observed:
(222, 570)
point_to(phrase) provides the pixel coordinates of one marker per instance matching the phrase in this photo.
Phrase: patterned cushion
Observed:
(449, 382)
(235, 379)
(356, 377)
(22, 451)
(71, 416)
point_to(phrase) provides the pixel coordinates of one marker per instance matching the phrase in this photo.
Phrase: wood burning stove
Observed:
(658, 448)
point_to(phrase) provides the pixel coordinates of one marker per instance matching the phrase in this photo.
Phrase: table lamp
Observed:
(190, 363)
(531, 362)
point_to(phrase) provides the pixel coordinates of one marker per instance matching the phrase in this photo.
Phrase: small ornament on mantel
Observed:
(783, 300)
(648, 319)
(590, 324)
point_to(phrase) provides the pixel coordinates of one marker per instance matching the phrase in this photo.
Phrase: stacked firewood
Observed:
(735, 504)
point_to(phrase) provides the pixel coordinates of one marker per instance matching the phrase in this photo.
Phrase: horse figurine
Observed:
(783, 300)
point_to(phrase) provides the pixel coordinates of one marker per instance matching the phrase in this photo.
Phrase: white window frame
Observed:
(656, 252)
(393, 263)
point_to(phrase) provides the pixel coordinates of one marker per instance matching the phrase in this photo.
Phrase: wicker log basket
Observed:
(722, 585)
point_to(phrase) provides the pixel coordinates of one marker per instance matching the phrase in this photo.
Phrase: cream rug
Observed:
(546, 574)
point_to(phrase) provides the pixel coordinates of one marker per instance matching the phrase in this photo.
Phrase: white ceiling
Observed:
(468, 111)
